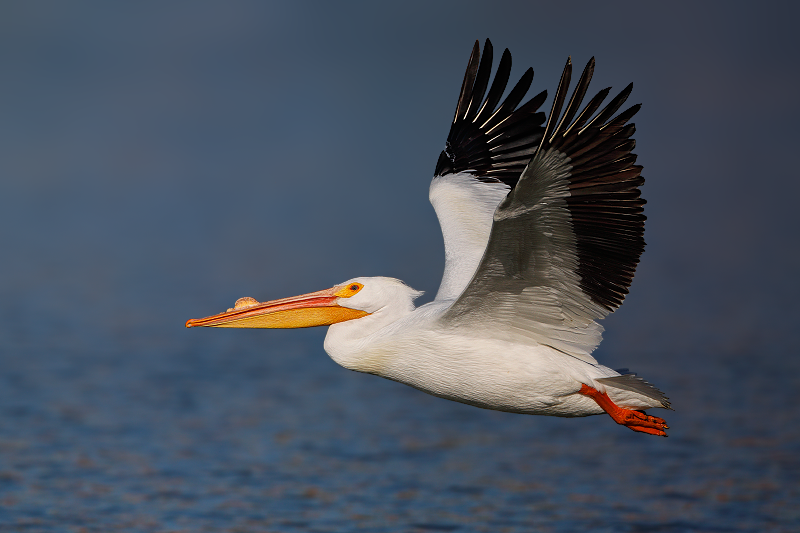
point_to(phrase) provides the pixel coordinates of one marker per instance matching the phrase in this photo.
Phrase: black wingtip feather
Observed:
(611, 108)
(466, 86)
(558, 101)
(497, 89)
(493, 140)
(481, 82)
(605, 201)
(577, 95)
(507, 108)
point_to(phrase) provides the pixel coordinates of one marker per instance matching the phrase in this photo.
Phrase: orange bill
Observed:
(319, 308)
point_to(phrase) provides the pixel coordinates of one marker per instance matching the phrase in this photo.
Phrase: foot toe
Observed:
(630, 418)
(649, 431)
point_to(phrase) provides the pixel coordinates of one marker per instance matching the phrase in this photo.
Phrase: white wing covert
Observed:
(486, 151)
(566, 240)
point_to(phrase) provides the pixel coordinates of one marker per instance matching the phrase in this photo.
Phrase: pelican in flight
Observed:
(543, 228)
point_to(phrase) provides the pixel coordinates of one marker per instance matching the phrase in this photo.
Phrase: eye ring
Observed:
(347, 291)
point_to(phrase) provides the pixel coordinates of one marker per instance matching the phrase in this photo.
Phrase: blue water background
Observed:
(160, 160)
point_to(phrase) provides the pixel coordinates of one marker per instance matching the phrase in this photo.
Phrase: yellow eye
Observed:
(349, 290)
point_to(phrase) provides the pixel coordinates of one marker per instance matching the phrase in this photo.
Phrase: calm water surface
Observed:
(209, 430)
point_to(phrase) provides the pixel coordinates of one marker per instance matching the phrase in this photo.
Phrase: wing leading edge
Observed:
(488, 147)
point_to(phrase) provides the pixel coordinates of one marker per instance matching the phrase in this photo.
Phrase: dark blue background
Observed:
(159, 160)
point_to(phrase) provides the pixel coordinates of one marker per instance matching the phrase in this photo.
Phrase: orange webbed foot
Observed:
(630, 418)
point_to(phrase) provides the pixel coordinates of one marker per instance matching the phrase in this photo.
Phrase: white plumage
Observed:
(418, 348)
(542, 230)
(465, 208)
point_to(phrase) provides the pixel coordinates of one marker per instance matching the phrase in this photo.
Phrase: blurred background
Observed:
(159, 160)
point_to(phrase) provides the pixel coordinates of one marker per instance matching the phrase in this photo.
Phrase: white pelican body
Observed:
(407, 345)
(543, 229)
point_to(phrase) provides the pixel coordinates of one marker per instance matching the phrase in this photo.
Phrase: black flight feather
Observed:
(605, 202)
(493, 143)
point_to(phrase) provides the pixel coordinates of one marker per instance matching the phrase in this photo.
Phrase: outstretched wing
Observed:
(486, 151)
(566, 240)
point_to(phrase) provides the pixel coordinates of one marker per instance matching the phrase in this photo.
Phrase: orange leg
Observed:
(635, 420)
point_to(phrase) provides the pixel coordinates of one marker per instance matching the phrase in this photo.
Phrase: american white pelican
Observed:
(543, 229)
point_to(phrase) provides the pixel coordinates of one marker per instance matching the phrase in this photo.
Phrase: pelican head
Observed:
(351, 300)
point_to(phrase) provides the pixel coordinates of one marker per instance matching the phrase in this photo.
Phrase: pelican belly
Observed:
(487, 373)
(494, 375)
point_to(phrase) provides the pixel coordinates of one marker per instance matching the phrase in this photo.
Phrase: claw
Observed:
(630, 418)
